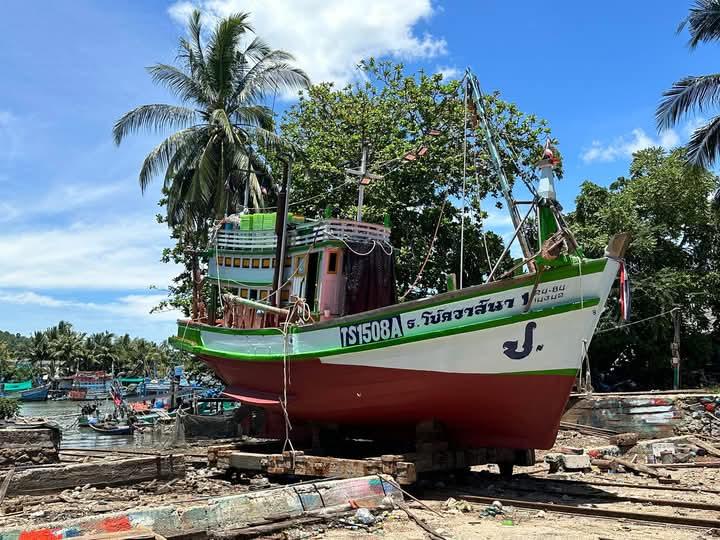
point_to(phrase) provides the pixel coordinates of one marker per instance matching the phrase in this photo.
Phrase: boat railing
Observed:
(304, 234)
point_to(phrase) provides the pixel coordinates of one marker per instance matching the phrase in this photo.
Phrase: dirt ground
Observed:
(454, 519)
(464, 521)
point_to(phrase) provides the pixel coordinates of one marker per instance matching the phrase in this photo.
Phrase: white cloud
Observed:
(114, 254)
(60, 199)
(134, 306)
(498, 220)
(329, 37)
(448, 72)
(625, 146)
(29, 298)
(692, 125)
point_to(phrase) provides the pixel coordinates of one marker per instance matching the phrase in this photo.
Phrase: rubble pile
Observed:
(701, 416)
(27, 446)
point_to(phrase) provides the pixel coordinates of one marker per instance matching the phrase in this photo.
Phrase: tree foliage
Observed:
(9, 408)
(696, 93)
(61, 350)
(398, 114)
(222, 120)
(673, 260)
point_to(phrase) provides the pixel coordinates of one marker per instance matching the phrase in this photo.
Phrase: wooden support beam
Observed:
(106, 472)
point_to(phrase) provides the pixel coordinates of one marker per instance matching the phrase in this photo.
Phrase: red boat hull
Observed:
(478, 410)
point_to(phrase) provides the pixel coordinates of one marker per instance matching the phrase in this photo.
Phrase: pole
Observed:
(462, 215)
(675, 349)
(497, 163)
(361, 188)
(281, 230)
(195, 292)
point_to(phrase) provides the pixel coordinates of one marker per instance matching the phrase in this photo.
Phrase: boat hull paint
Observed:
(495, 380)
(479, 410)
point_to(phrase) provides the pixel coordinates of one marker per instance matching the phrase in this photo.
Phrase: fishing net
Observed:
(370, 271)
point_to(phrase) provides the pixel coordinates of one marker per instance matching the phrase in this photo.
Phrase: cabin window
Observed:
(288, 262)
(332, 262)
(266, 263)
(264, 294)
(219, 261)
(244, 293)
(300, 265)
(285, 295)
(236, 262)
(256, 263)
(273, 262)
(246, 263)
(253, 294)
(228, 261)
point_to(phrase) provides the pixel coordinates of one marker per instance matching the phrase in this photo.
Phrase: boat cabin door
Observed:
(312, 278)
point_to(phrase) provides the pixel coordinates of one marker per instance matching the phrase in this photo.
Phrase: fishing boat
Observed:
(38, 393)
(107, 429)
(24, 391)
(310, 324)
(90, 385)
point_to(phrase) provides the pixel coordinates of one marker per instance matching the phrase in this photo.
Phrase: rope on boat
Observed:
(429, 251)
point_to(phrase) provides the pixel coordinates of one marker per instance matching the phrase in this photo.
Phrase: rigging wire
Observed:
(482, 227)
(621, 326)
(429, 251)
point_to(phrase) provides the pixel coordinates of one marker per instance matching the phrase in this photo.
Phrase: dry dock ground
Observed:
(448, 506)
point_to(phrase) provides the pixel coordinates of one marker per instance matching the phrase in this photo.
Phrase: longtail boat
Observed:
(310, 323)
(111, 429)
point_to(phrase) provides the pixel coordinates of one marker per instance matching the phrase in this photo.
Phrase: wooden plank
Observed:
(108, 472)
(705, 446)
(637, 467)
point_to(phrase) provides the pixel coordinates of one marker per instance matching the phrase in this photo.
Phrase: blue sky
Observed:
(79, 242)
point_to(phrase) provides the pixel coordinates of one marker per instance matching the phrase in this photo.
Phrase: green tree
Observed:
(210, 164)
(696, 93)
(222, 119)
(9, 408)
(673, 260)
(397, 115)
(37, 350)
(102, 352)
(69, 352)
(7, 361)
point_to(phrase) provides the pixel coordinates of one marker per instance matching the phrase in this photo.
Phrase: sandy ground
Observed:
(461, 520)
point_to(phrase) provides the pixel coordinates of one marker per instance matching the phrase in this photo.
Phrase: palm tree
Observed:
(102, 351)
(222, 122)
(696, 93)
(38, 352)
(69, 351)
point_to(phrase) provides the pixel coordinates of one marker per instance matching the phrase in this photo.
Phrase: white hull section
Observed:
(417, 339)
(553, 343)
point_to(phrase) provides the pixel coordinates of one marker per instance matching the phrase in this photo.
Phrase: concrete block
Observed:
(574, 462)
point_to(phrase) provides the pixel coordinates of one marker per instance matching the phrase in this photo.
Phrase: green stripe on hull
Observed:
(197, 348)
(588, 268)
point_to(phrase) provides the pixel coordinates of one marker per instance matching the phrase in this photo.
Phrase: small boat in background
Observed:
(112, 430)
(39, 393)
(24, 391)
